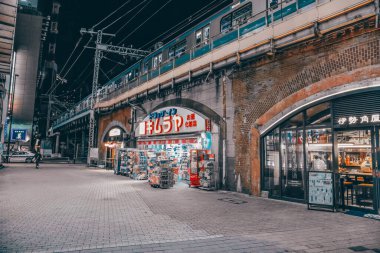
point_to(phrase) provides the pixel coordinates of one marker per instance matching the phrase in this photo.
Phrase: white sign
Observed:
(365, 119)
(94, 153)
(170, 120)
(114, 132)
(321, 188)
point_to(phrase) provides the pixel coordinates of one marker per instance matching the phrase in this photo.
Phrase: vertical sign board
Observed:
(321, 190)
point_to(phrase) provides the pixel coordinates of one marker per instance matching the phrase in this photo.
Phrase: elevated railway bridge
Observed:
(232, 80)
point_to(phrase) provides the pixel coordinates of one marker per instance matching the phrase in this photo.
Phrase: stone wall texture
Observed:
(263, 88)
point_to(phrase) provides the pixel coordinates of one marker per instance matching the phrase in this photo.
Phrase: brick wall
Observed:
(259, 86)
(121, 115)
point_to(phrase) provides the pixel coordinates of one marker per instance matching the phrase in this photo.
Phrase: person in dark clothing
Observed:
(37, 158)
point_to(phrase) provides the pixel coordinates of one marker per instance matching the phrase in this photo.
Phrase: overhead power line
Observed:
(187, 21)
(109, 15)
(56, 84)
(194, 17)
(130, 20)
(137, 6)
(126, 13)
(71, 54)
(146, 20)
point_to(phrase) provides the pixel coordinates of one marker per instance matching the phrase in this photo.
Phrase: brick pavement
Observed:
(70, 208)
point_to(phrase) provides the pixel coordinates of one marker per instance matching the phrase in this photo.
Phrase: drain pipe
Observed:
(225, 130)
(377, 7)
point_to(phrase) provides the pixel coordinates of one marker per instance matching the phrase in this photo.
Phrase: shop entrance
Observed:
(357, 166)
(110, 156)
(185, 146)
(292, 164)
(112, 140)
(340, 138)
(186, 159)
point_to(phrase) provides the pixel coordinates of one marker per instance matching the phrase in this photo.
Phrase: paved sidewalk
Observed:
(70, 208)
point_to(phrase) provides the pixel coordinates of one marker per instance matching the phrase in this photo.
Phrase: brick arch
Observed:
(209, 113)
(196, 106)
(340, 85)
(111, 125)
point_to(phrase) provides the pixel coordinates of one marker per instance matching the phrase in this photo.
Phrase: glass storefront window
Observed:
(319, 149)
(319, 115)
(354, 151)
(272, 163)
(294, 122)
(315, 140)
(355, 163)
(292, 163)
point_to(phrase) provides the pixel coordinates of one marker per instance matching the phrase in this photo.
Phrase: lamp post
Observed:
(11, 116)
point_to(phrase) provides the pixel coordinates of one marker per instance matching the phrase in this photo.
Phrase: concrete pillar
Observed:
(255, 162)
(75, 146)
(57, 143)
(83, 143)
(67, 143)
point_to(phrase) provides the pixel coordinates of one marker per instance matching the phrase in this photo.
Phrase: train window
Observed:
(178, 49)
(198, 37)
(206, 34)
(202, 36)
(238, 17)
(226, 23)
(156, 61)
(146, 67)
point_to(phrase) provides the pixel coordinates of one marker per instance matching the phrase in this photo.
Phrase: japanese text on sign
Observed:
(365, 119)
(171, 120)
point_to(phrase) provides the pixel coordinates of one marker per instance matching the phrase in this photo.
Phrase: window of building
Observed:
(300, 144)
(236, 18)
(202, 36)
(318, 149)
(271, 179)
(319, 115)
(51, 48)
(54, 27)
(56, 7)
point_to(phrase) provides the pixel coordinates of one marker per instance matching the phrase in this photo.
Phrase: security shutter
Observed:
(357, 106)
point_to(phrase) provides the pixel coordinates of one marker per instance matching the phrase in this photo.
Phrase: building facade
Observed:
(288, 95)
(8, 15)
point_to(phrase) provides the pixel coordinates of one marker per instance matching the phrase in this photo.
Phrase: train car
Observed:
(236, 20)
(239, 19)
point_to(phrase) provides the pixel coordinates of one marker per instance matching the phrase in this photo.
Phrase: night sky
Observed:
(75, 14)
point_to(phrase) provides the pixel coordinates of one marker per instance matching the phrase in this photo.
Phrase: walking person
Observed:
(37, 157)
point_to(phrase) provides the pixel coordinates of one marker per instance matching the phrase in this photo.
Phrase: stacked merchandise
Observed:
(123, 162)
(140, 167)
(130, 163)
(206, 174)
(162, 175)
(184, 170)
(154, 177)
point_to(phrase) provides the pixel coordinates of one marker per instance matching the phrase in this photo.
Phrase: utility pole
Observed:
(99, 49)
(50, 102)
(95, 79)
